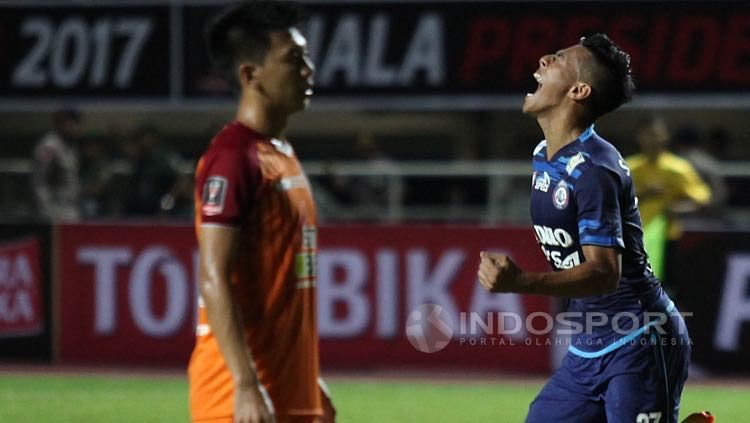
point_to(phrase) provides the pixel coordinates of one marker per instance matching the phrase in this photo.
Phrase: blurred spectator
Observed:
(332, 195)
(95, 178)
(667, 186)
(371, 191)
(55, 176)
(367, 196)
(154, 172)
(337, 186)
(690, 144)
(178, 202)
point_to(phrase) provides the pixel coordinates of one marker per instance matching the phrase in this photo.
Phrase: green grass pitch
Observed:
(39, 397)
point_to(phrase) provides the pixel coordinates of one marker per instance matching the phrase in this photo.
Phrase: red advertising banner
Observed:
(388, 296)
(20, 289)
(127, 294)
(378, 287)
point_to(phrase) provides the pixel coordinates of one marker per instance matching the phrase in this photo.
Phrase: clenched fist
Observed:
(498, 273)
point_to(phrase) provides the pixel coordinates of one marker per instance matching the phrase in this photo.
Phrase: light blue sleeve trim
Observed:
(620, 342)
(606, 241)
(588, 223)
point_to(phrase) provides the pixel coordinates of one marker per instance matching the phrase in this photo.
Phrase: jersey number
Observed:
(653, 417)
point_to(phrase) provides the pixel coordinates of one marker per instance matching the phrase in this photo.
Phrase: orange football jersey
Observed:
(256, 184)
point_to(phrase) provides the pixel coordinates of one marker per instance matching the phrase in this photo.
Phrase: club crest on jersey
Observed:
(541, 181)
(214, 194)
(561, 197)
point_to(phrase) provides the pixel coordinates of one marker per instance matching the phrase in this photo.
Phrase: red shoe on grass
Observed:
(702, 417)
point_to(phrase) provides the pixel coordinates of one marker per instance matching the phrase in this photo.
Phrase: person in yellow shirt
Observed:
(667, 186)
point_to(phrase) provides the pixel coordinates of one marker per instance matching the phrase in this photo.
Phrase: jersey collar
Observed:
(588, 133)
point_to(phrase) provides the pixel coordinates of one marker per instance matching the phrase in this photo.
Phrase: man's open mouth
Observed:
(539, 80)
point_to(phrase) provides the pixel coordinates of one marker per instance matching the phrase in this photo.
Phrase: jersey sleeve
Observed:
(226, 187)
(693, 187)
(597, 195)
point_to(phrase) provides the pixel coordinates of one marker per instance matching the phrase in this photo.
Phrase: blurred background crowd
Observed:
(416, 115)
(365, 166)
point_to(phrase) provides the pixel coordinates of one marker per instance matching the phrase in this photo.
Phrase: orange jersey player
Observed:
(256, 352)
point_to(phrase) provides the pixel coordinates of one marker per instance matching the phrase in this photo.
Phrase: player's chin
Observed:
(528, 105)
(532, 106)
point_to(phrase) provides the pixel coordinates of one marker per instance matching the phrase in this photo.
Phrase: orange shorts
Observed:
(329, 416)
(279, 419)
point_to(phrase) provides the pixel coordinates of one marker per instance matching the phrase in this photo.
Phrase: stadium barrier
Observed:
(500, 185)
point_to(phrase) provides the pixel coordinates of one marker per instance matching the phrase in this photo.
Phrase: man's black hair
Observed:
(241, 31)
(612, 79)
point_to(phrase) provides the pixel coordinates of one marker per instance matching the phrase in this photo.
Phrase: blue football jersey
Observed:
(584, 195)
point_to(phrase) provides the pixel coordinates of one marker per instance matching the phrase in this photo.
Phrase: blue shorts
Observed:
(639, 382)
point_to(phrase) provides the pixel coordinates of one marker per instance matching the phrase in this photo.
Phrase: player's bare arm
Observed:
(218, 246)
(598, 275)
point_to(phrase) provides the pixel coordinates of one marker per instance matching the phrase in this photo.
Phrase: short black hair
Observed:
(612, 79)
(241, 31)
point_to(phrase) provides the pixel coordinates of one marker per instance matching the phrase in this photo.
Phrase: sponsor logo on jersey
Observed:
(553, 237)
(214, 195)
(542, 182)
(306, 261)
(556, 259)
(561, 197)
(573, 162)
(556, 237)
(310, 237)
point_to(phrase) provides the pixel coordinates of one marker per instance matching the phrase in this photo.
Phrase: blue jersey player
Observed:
(629, 350)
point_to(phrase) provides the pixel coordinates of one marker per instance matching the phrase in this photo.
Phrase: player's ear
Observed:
(579, 91)
(246, 73)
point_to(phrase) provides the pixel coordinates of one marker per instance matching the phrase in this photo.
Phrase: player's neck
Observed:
(261, 118)
(560, 130)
